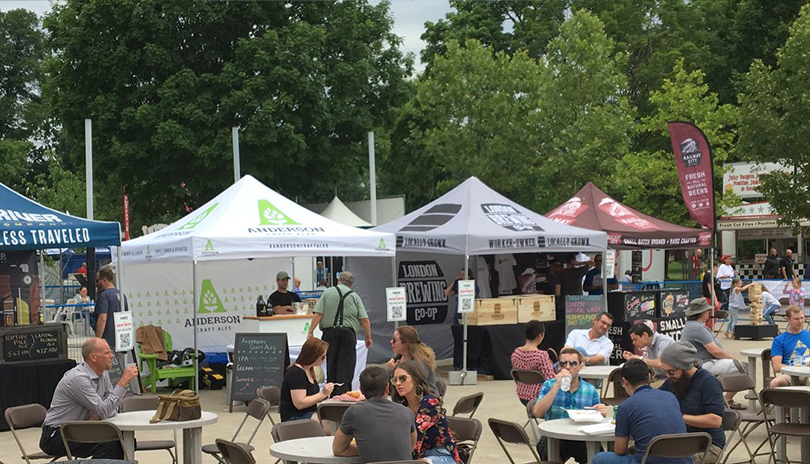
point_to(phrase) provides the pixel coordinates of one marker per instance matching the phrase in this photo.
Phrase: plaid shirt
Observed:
(585, 396)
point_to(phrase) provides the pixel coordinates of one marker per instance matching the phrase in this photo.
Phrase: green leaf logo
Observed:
(382, 246)
(209, 247)
(198, 219)
(209, 299)
(272, 216)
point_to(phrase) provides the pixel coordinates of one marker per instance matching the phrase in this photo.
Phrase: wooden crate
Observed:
(537, 307)
(493, 311)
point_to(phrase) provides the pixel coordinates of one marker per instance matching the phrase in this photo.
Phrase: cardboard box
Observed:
(537, 307)
(493, 311)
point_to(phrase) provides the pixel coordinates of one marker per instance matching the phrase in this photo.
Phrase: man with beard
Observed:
(699, 394)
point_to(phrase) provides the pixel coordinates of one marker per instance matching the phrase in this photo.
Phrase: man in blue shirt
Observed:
(553, 400)
(699, 394)
(791, 347)
(593, 279)
(645, 415)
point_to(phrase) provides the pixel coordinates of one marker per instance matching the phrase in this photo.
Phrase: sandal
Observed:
(736, 405)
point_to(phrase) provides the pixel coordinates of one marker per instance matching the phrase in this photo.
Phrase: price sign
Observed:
(610, 263)
(124, 331)
(396, 303)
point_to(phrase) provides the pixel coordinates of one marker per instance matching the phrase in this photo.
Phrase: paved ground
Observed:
(500, 402)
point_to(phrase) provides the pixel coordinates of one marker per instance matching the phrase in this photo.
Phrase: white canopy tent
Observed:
(225, 236)
(339, 212)
(472, 219)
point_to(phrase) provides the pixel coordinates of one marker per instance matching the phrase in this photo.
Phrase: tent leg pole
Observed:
(464, 321)
(711, 281)
(604, 278)
(394, 280)
(194, 321)
(42, 284)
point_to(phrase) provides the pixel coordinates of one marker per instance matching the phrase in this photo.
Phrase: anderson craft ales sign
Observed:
(424, 283)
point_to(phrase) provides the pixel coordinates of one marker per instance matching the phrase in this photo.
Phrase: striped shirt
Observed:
(81, 393)
(585, 396)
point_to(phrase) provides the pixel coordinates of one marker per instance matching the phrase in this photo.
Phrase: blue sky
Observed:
(409, 17)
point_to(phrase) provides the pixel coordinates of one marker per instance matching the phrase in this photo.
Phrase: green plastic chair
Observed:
(163, 373)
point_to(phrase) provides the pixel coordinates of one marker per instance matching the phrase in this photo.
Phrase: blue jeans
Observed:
(305, 416)
(609, 457)
(733, 317)
(439, 456)
(767, 314)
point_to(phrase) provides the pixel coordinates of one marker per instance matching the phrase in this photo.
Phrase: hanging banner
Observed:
(693, 158)
(126, 214)
(396, 303)
(124, 331)
(466, 296)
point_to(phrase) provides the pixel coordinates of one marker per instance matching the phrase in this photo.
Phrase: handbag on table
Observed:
(181, 405)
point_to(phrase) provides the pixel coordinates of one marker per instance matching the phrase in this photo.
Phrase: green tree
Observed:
(22, 49)
(774, 109)
(648, 180)
(164, 82)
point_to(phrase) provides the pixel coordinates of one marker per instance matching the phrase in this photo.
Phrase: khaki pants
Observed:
(711, 456)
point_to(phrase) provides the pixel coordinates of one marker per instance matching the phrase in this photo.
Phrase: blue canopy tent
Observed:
(27, 225)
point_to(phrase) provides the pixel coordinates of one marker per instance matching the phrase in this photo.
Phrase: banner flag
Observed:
(693, 157)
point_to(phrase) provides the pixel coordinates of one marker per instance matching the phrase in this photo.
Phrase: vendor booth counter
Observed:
(296, 326)
(33, 360)
(496, 329)
(665, 308)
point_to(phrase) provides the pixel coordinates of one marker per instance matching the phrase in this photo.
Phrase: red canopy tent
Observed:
(627, 229)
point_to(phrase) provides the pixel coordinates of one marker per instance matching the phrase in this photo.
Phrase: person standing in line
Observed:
(786, 265)
(107, 304)
(725, 274)
(340, 314)
(771, 268)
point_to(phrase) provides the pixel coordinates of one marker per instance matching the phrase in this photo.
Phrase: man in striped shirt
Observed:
(86, 393)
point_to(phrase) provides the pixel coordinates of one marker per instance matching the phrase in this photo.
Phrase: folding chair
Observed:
(257, 409)
(720, 317)
(468, 404)
(292, 430)
(24, 417)
(466, 432)
(530, 413)
(511, 432)
(528, 376)
(619, 393)
(736, 383)
(679, 445)
(441, 385)
(731, 423)
(552, 355)
(767, 368)
(272, 395)
(91, 432)
(149, 403)
(332, 412)
(234, 453)
(784, 398)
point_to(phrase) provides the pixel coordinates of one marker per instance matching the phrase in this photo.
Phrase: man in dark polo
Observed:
(282, 299)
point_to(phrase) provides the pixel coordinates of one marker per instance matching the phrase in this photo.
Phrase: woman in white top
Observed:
(725, 274)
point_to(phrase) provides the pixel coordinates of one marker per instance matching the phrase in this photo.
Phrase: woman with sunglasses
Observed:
(300, 394)
(434, 443)
(407, 347)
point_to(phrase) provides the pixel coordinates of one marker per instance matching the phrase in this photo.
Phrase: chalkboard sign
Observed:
(639, 306)
(119, 363)
(33, 343)
(259, 360)
(580, 310)
(674, 303)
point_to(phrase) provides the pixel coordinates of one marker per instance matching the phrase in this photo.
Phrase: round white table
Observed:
(754, 355)
(312, 450)
(131, 422)
(796, 373)
(566, 429)
(598, 373)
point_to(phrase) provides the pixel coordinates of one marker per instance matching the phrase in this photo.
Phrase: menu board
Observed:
(28, 344)
(580, 310)
(674, 303)
(639, 306)
(119, 363)
(259, 360)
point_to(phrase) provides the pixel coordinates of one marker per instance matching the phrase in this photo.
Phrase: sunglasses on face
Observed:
(568, 363)
(399, 379)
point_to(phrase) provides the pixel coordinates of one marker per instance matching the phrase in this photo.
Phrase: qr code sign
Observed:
(397, 312)
(126, 339)
(466, 305)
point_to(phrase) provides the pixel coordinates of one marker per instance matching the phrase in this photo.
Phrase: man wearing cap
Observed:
(282, 299)
(710, 352)
(699, 394)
